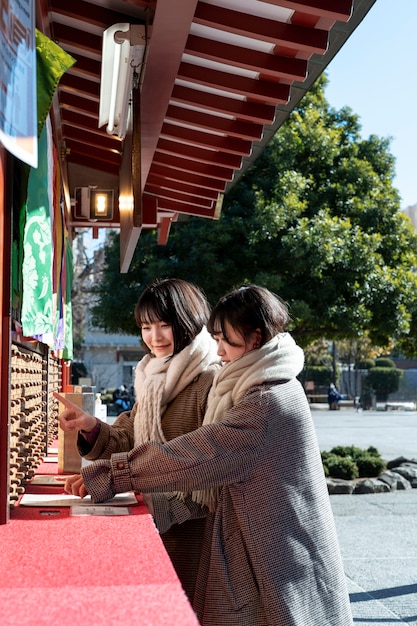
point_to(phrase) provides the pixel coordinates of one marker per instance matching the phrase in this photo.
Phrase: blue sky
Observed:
(375, 75)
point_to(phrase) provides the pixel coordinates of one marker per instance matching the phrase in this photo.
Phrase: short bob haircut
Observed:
(176, 302)
(247, 309)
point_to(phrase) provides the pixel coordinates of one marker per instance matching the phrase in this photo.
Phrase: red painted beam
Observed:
(179, 197)
(340, 10)
(197, 179)
(80, 86)
(88, 42)
(6, 186)
(177, 207)
(269, 65)
(278, 33)
(202, 155)
(230, 145)
(161, 182)
(76, 102)
(88, 12)
(163, 230)
(170, 29)
(87, 68)
(257, 90)
(186, 165)
(242, 110)
(102, 142)
(202, 120)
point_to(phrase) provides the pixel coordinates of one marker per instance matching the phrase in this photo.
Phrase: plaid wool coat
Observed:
(271, 555)
(185, 413)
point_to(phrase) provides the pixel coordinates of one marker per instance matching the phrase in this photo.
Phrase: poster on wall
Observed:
(18, 114)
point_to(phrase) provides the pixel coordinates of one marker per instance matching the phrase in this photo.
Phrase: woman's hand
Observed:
(74, 485)
(73, 417)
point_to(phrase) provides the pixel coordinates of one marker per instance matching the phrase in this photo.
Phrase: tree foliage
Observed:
(316, 219)
(383, 381)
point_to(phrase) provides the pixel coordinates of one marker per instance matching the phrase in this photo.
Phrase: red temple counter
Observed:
(56, 568)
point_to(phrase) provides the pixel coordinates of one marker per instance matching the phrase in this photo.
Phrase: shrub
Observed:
(383, 381)
(320, 374)
(350, 462)
(350, 452)
(365, 364)
(373, 451)
(370, 466)
(384, 362)
(341, 467)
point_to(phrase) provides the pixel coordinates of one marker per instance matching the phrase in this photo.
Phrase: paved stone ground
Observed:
(393, 433)
(377, 532)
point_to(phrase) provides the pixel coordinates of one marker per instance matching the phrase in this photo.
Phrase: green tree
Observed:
(316, 219)
(383, 381)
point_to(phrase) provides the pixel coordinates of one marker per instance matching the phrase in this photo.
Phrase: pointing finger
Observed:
(67, 403)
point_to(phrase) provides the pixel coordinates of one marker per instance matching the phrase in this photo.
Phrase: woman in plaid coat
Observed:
(172, 382)
(270, 555)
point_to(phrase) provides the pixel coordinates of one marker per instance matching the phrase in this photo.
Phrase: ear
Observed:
(257, 338)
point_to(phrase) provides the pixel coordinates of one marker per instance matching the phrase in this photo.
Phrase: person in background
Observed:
(122, 399)
(333, 397)
(172, 383)
(270, 555)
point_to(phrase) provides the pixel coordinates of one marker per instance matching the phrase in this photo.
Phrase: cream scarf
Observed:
(279, 359)
(159, 380)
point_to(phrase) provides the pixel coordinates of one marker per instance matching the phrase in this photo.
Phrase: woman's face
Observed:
(159, 338)
(238, 345)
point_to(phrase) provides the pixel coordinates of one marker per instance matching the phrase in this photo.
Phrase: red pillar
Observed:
(5, 328)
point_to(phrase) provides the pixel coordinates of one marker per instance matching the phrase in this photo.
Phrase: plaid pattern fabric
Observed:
(270, 554)
(182, 541)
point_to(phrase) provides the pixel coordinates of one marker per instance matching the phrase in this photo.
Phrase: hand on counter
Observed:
(73, 417)
(74, 485)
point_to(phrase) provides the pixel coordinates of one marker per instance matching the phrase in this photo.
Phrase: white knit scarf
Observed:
(279, 359)
(159, 380)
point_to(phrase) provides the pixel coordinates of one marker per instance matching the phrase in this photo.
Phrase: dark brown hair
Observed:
(248, 308)
(176, 302)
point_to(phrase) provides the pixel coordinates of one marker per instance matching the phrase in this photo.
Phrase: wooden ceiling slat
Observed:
(88, 68)
(103, 156)
(175, 185)
(278, 33)
(231, 145)
(186, 165)
(195, 140)
(179, 197)
(262, 90)
(340, 10)
(202, 181)
(177, 207)
(196, 153)
(71, 102)
(268, 65)
(87, 12)
(100, 142)
(86, 160)
(78, 119)
(78, 85)
(69, 36)
(242, 110)
(199, 119)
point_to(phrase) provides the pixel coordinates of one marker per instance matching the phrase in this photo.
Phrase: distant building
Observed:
(110, 359)
(411, 211)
